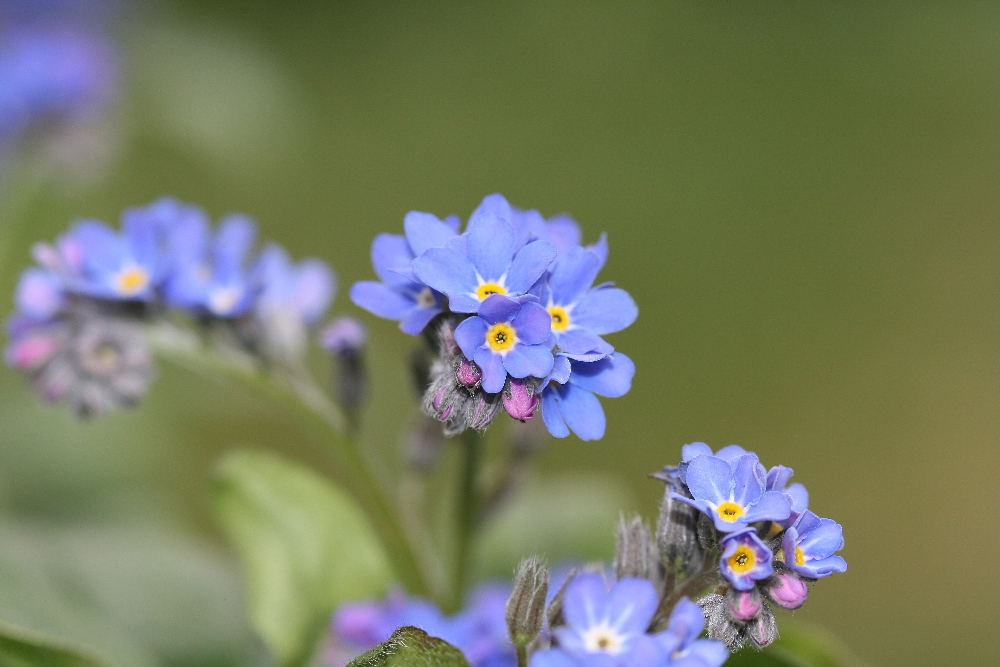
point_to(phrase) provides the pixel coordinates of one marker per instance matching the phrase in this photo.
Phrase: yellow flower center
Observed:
(560, 318)
(602, 639)
(743, 560)
(800, 557)
(501, 337)
(132, 281)
(730, 512)
(489, 289)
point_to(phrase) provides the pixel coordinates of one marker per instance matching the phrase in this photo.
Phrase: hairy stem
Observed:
(467, 511)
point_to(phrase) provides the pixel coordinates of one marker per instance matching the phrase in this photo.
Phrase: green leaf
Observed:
(799, 646)
(20, 647)
(304, 545)
(412, 647)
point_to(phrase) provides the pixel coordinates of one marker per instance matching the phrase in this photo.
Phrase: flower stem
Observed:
(467, 514)
(302, 398)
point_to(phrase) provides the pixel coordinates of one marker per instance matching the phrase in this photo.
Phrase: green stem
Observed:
(468, 514)
(302, 398)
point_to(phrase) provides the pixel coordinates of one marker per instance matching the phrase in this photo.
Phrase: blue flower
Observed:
(53, 75)
(569, 394)
(798, 496)
(809, 546)
(745, 559)
(507, 338)
(732, 492)
(483, 261)
(94, 260)
(39, 294)
(580, 314)
(400, 295)
(681, 644)
(304, 290)
(605, 627)
(727, 453)
(479, 630)
(210, 275)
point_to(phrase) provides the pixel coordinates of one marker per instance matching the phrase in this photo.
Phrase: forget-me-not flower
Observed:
(810, 544)
(745, 559)
(569, 394)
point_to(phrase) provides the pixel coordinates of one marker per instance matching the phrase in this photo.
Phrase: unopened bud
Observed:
(718, 624)
(636, 556)
(345, 339)
(468, 374)
(677, 536)
(520, 399)
(763, 629)
(526, 605)
(482, 410)
(743, 606)
(788, 591)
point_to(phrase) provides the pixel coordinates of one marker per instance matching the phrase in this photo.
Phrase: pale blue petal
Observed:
(446, 271)
(687, 620)
(572, 275)
(495, 204)
(528, 266)
(490, 246)
(600, 248)
(772, 506)
(415, 322)
(552, 658)
(494, 375)
(425, 231)
(314, 289)
(470, 335)
(584, 603)
(631, 604)
(611, 376)
(748, 483)
(528, 360)
(551, 416)
(709, 478)
(563, 232)
(688, 452)
(498, 308)
(390, 253)
(533, 324)
(581, 341)
(381, 300)
(605, 311)
(582, 412)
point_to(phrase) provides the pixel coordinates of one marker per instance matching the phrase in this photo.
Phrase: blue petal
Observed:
(798, 496)
(631, 604)
(687, 620)
(528, 360)
(143, 240)
(583, 413)
(748, 483)
(425, 231)
(551, 416)
(552, 658)
(709, 478)
(563, 232)
(391, 252)
(381, 300)
(101, 249)
(495, 204)
(490, 246)
(494, 374)
(824, 567)
(772, 506)
(600, 248)
(732, 452)
(39, 294)
(498, 308)
(777, 478)
(825, 539)
(415, 322)
(533, 324)
(605, 311)
(463, 303)
(470, 335)
(582, 342)
(572, 275)
(561, 370)
(688, 452)
(314, 289)
(611, 376)
(528, 266)
(446, 271)
(583, 606)
(703, 653)
(232, 244)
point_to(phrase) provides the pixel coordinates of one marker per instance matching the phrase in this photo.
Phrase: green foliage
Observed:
(798, 646)
(20, 647)
(304, 546)
(412, 647)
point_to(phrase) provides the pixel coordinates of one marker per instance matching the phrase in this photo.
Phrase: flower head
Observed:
(732, 492)
(745, 559)
(809, 546)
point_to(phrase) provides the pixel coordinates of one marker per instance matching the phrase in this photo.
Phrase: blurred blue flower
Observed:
(569, 394)
(507, 337)
(809, 546)
(304, 290)
(732, 492)
(681, 644)
(745, 559)
(479, 630)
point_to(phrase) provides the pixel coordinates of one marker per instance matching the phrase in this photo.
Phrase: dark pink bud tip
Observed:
(744, 605)
(520, 400)
(468, 374)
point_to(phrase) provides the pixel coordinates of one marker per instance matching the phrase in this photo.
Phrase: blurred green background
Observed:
(802, 198)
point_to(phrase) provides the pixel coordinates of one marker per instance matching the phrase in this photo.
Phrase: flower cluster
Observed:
(729, 522)
(611, 628)
(511, 308)
(78, 331)
(478, 630)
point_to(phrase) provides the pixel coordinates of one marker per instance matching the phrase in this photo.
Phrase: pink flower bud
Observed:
(790, 592)
(520, 399)
(743, 605)
(468, 374)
